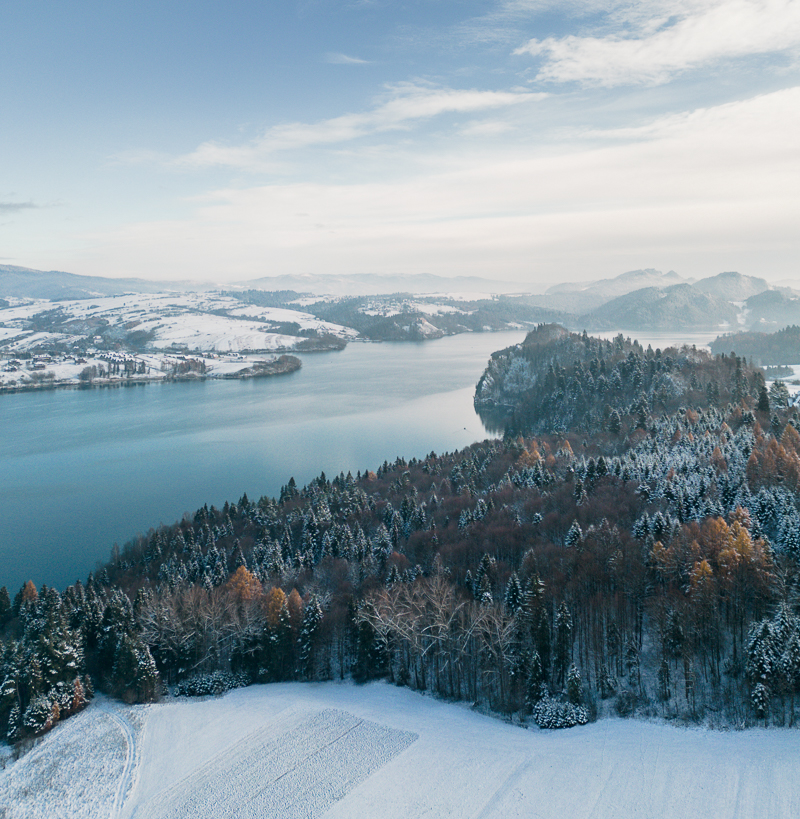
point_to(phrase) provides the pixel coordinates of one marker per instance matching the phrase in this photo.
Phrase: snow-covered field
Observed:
(198, 321)
(83, 768)
(343, 751)
(299, 764)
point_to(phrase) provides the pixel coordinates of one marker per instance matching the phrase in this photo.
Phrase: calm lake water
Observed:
(84, 469)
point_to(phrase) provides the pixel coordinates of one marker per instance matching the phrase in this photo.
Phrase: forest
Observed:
(629, 546)
(358, 312)
(781, 347)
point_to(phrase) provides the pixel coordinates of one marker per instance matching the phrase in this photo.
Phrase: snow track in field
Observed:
(126, 779)
(64, 776)
(290, 767)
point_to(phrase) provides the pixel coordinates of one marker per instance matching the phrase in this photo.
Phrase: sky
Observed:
(519, 140)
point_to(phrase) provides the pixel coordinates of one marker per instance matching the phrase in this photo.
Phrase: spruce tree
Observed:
(574, 685)
(535, 684)
(564, 638)
(763, 400)
(514, 595)
(309, 637)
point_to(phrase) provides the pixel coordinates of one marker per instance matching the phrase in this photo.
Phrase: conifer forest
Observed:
(629, 546)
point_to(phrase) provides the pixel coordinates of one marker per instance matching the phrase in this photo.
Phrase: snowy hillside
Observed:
(195, 321)
(341, 751)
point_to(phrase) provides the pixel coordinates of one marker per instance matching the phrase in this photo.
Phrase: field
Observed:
(196, 321)
(338, 750)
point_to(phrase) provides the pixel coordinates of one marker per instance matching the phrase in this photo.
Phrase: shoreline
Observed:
(283, 365)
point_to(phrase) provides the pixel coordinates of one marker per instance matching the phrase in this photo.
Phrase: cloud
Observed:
(15, 207)
(344, 59)
(406, 103)
(700, 191)
(658, 42)
(485, 128)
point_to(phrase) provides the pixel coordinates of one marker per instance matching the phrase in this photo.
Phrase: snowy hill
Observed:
(195, 321)
(22, 282)
(732, 286)
(579, 297)
(680, 306)
(342, 751)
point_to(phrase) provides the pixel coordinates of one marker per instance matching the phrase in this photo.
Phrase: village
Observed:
(23, 371)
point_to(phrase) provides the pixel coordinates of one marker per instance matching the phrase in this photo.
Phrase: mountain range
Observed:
(637, 300)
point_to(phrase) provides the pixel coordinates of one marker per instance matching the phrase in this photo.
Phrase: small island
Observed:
(282, 365)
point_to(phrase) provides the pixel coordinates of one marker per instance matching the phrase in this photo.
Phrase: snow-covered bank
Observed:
(125, 369)
(338, 750)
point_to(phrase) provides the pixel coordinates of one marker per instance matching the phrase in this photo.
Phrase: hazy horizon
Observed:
(350, 280)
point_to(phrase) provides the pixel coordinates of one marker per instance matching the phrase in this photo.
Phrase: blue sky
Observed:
(517, 139)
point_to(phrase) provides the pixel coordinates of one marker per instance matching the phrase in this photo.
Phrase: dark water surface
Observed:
(82, 469)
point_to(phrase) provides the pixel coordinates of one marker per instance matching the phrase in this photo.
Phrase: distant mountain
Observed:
(578, 297)
(22, 282)
(680, 307)
(773, 309)
(732, 286)
(367, 284)
(624, 283)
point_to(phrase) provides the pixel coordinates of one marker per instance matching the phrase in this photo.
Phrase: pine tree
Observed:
(9, 698)
(485, 576)
(535, 689)
(14, 725)
(790, 666)
(514, 595)
(760, 655)
(574, 536)
(564, 638)
(541, 635)
(371, 653)
(38, 716)
(778, 394)
(483, 592)
(763, 400)
(134, 677)
(574, 685)
(309, 637)
(760, 700)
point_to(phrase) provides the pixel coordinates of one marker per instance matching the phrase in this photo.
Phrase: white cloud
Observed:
(486, 128)
(407, 103)
(658, 42)
(718, 186)
(344, 59)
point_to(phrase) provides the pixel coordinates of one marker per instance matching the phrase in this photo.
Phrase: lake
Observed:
(83, 469)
